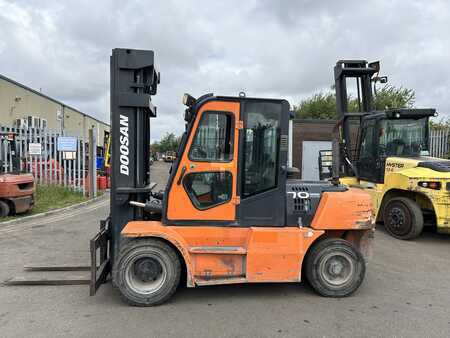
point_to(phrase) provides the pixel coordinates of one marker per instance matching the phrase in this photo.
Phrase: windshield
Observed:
(404, 137)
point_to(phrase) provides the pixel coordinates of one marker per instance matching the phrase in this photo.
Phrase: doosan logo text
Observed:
(124, 144)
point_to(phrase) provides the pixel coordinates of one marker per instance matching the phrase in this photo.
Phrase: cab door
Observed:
(263, 162)
(204, 187)
(367, 161)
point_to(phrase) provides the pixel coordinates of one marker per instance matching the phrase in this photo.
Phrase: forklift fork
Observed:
(101, 243)
(99, 268)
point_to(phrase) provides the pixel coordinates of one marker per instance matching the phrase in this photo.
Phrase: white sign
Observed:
(69, 155)
(34, 149)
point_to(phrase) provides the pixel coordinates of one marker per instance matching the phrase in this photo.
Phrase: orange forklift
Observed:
(16, 189)
(230, 213)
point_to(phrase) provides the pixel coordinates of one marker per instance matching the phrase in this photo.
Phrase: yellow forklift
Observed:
(170, 156)
(386, 153)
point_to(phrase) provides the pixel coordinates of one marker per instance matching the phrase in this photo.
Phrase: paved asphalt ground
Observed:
(406, 293)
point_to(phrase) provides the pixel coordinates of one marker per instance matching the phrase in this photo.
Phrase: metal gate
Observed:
(439, 142)
(38, 154)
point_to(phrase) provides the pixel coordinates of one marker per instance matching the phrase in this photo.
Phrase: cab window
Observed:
(213, 138)
(262, 130)
(208, 189)
(404, 137)
(367, 145)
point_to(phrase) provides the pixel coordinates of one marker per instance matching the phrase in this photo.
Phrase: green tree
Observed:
(169, 142)
(323, 105)
(442, 123)
(319, 106)
(393, 97)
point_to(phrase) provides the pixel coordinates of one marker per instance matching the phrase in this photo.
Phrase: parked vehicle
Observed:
(170, 156)
(386, 153)
(229, 213)
(17, 190)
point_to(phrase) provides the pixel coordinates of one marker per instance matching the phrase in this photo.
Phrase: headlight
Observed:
(188, 100)
(430, 185)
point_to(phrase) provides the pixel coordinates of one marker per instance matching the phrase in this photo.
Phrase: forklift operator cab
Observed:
(206, 181)
(383, 137)
(229, 213)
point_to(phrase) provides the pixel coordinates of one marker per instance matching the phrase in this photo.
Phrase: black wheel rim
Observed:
(398, 220)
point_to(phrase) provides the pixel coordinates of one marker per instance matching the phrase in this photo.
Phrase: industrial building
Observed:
(308, 137)
(24, 107)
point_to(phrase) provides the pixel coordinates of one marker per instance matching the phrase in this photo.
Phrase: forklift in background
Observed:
(386, 153)
(229, 214)
(17, 189)
(170, 156)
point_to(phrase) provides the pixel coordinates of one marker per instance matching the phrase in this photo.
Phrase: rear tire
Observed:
(4, 209)
(403, 218)
(334, 268)
(147, 272)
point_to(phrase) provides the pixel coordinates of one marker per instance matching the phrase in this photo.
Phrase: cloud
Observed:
(266, 48)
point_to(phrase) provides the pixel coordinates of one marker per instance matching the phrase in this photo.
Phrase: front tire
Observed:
(147, 272)
(4, 209)
(403, 218)
(334, 268)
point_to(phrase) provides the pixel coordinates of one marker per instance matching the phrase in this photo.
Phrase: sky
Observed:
(267, 48)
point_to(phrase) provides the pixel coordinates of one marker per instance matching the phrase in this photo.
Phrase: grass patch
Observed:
(49, 197)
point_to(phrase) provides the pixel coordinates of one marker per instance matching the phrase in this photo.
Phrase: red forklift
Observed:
(17, 189)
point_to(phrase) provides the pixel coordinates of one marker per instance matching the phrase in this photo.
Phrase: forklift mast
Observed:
(134, 80)
(363, 72)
